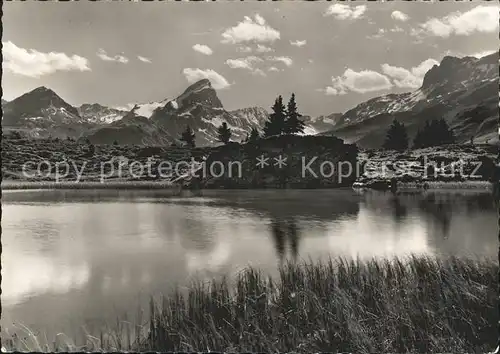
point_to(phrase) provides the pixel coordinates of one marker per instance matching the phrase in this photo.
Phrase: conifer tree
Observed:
(397, 137)
(434, 133)
(254, 136)
(293, 124)
(445, 135)
(224, 133)
(188, 137)
(276, 123)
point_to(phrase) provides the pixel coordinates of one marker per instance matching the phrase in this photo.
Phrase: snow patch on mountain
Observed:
(147, 109)
(308, 130)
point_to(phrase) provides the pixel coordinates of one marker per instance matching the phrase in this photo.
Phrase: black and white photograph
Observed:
(250, 176)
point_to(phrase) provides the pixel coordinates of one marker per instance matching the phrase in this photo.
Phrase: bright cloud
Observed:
(285, 60)
(144, 59)
(243, 63)
(409, 78)
(273, 68)
(247, 64)
(250, 30)
(263, 49)
(345, 12)
(218, 81)
(127, 107)
(399, 16)
(360, 82)
(101, 53)
(32, 63)
(484, 53)
(483, 19)
(298, 43)
(203, 49)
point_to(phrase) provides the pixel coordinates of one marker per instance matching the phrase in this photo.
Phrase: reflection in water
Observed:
(88, 257)
(400, 211)
(438, 211)
(285, 234)
(36, 275)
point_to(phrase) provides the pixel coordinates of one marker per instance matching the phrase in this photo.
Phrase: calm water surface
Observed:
(86, 257)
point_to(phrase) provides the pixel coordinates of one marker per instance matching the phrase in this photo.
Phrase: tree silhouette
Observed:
(445, 135)
(293, 124)
(254, 136)
(397, 137)
(434, 133)
(224, 133)
(276, 123)
(188, 137)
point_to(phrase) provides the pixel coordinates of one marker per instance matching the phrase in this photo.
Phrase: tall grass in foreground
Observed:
(418, 304)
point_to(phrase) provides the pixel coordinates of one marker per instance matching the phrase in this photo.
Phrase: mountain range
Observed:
(462, 90)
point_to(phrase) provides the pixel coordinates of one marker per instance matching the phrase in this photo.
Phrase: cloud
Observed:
(263, 49)
(218, 81)
(244, 49)
(345, 12)
(243, 63)
(409, 78)
(483, 53)
(285, 60)
(330, 91)
(32, 63)
(397, 29)
(101, 53)
(482, 19)
(360, 82)
(273, 68)
(144, 59)
(250, 30)
(298, 43)
(203, 49)
(127, 107)
(259, 72)
(380, 34)
(247, 64)
(399, 16)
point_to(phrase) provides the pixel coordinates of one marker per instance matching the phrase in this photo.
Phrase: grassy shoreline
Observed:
(418, 304)
(25, 185)
(30, 185)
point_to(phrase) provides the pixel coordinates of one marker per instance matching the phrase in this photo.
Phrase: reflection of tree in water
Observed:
(293, 236)
(400, 211)
(439, 210)
(196, 234)
(285, 232)
(480, 202)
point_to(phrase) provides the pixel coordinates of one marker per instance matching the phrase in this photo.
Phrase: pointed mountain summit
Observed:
(200, 92)
(41, 105)
(164, 121)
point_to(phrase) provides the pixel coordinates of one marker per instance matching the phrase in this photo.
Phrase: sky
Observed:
(332, 55)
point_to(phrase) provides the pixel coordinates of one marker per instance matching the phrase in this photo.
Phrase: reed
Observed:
(416, 304)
